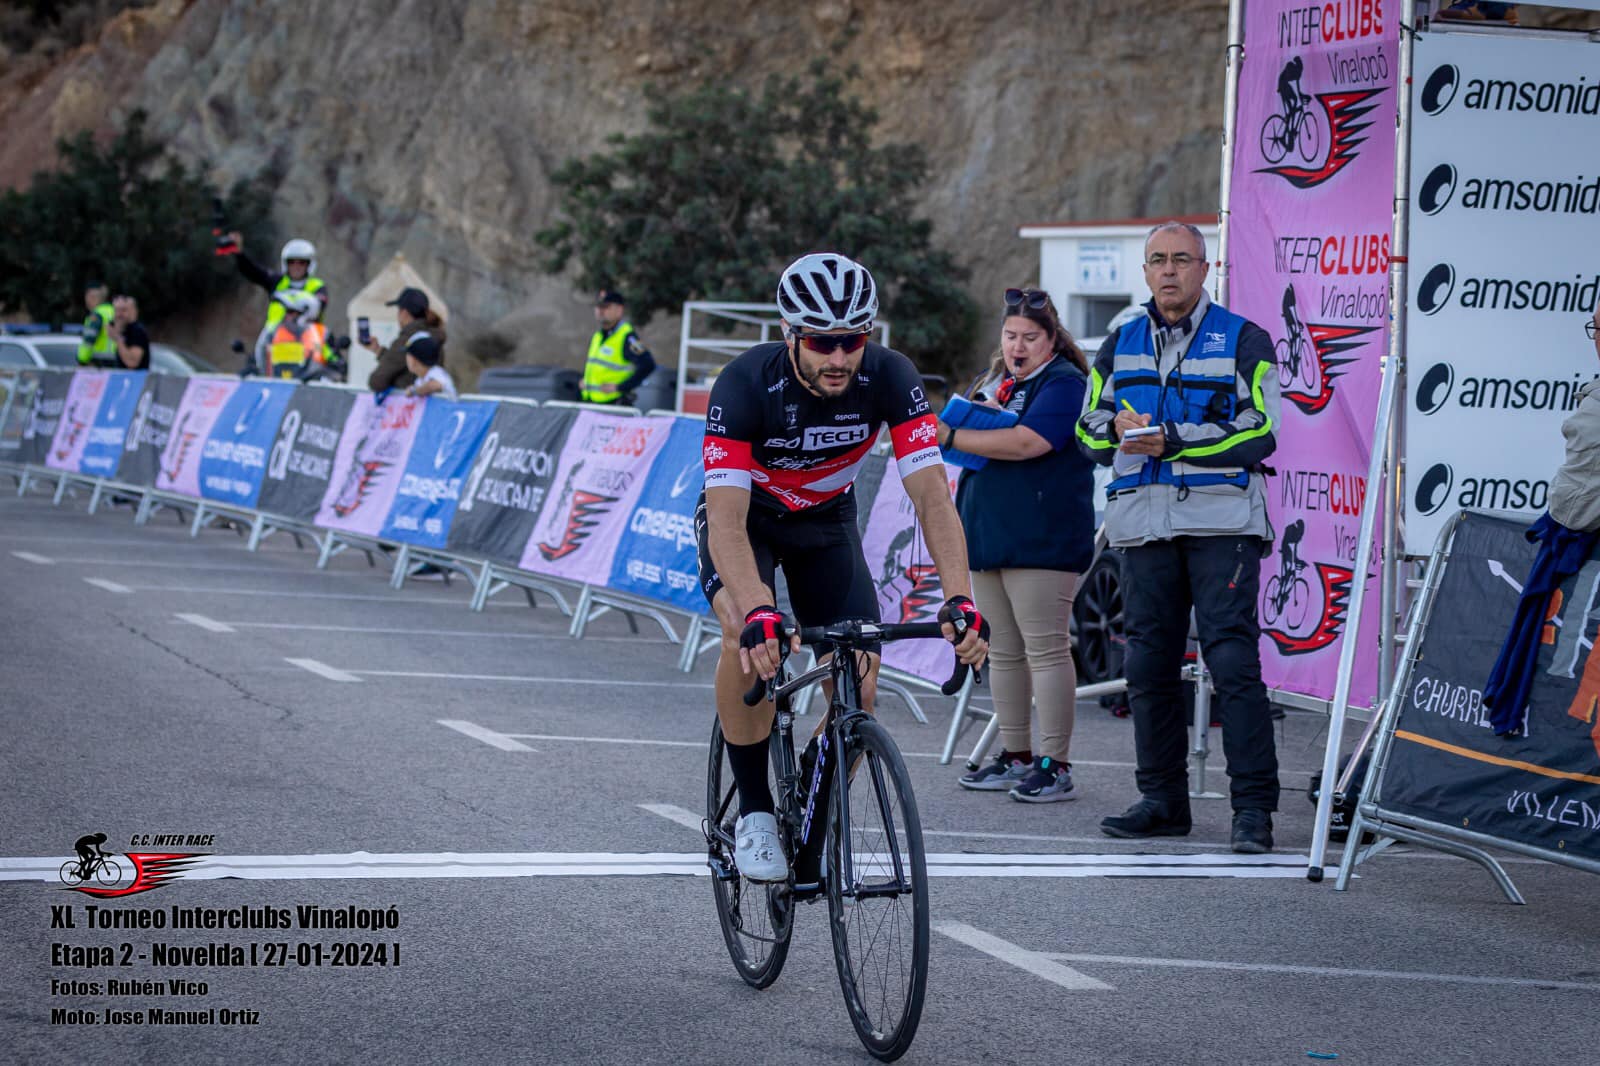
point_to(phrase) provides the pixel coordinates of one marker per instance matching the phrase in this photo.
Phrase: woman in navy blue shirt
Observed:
(1029, 519)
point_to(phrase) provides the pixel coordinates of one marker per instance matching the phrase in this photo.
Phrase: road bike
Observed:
(1294, 361)
(1299, 128)
(1288, 596)
(106, 871)
(858, 830)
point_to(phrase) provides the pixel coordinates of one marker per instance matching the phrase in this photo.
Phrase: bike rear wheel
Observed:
(71, 872)
(757, 919)
(1287, 371)
(877, 881)
(1274, 142)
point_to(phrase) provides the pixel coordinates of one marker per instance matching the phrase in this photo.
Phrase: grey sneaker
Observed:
(1003, 771)
(1047, 781)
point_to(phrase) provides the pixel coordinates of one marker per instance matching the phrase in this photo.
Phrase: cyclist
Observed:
(1289, 91)
(1289, 554)
(788, 425)
(89, 853)
(1291, 326)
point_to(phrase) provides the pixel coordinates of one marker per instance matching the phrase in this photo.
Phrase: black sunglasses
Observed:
(1034, 298)
(828, 343)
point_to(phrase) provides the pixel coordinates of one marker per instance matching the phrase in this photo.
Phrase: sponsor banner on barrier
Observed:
(119, 402)
(1541, 788)
(202, 403)
(77, 419)
(150, 428)
(300, 461)
(40, 430)
(16, 392)
(1312, 197)
(907, 581)
(597, 484)
(367, 468)
(506, 487)
(234, 457)
(441, 458)
(656, 556)
(1505, 189)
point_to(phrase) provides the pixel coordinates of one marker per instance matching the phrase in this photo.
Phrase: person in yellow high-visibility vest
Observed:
(97, 348)
(618, 361)
(294, 291)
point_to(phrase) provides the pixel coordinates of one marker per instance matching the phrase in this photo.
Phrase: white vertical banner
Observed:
(1505, 267)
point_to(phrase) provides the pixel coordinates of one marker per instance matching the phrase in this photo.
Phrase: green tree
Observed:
(129, 214)
(724, 187)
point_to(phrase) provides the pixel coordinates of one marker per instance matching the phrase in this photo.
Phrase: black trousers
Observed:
(1218, 577)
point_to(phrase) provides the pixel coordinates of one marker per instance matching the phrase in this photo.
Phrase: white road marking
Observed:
(1023, 959)
(528, 680)
(109, 586)
(1324, 971)
(298, 595)
(269, 571)
(322, 669)
(474, 634)
(34, 557)
(209, 624)
(700, 744)
(673, 813)
(488, 736)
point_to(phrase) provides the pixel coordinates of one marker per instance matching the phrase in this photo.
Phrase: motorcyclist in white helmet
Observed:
(295, 289)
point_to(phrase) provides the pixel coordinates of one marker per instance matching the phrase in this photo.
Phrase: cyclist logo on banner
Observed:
(910, 578)
(95, 873)
(1312, 138)
(584, 509)
(1298, 618)
(1310, 356)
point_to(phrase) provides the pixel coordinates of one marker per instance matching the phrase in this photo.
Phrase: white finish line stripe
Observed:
(33, 557)
(322, 669)
(209, 624)
(109, 586)
(1324, 971)
(488, 736)
(1023, 959)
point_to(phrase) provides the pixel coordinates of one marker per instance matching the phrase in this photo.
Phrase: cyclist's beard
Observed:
(813, 380)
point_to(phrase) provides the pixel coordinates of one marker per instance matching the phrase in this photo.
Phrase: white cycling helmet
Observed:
(827, 291)
(299, 248)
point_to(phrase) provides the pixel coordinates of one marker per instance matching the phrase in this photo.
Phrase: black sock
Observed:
(749, 762)
(1017, 756)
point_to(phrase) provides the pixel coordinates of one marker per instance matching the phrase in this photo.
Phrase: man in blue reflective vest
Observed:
(1182, 404)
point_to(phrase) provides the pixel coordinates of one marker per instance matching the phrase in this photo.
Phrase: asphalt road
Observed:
(168, 700)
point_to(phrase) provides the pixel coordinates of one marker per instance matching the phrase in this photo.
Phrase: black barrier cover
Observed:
(40, 429)
(150, 429)
(301, 461)
(510, 477)
(1446, 765)
(19, 389)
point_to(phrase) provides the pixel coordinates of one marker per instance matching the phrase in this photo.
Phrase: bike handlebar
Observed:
(855, 636)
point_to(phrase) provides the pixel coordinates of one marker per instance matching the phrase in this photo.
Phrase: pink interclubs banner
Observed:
(907, 581)
(77, 419)
(369, 463)
(597, 484)
(1313, 195)
(202, 402)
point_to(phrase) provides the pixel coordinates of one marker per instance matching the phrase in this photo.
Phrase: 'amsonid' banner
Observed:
(1313, 193)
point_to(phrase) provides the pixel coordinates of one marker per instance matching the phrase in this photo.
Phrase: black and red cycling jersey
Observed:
(795, 450)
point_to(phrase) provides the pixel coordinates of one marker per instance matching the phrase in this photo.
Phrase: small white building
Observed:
(1092, 270)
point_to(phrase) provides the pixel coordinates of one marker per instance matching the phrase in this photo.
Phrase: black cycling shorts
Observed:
(821, 557)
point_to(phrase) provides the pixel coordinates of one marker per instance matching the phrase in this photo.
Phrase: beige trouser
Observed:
(1030, 655)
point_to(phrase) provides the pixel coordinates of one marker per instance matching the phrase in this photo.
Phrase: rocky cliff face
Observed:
(430, 127)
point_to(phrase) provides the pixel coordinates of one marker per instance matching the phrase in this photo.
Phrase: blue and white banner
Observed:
(656, 556)
(446, 444)
(103, 451)
(235, 455)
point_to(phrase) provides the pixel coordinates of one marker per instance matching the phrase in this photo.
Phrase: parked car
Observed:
(60, 350)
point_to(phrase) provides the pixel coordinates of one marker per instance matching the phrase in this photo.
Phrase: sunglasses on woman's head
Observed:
(1033, 298)
(828, 343)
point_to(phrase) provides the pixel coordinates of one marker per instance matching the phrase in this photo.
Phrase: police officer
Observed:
(1182, 404)
(295, 293)
(97, 348)
(618, 361)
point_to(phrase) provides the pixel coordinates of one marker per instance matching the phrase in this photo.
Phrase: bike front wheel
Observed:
(1309, 136)
(1299, 605)
(109, 872)
(877, 881)
(756, 918)
(1287, 371)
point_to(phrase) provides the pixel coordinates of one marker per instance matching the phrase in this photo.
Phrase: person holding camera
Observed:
(1028, 513)
(415, 316)
(129, 335)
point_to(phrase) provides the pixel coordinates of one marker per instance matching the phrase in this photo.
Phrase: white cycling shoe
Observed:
(757, 851)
